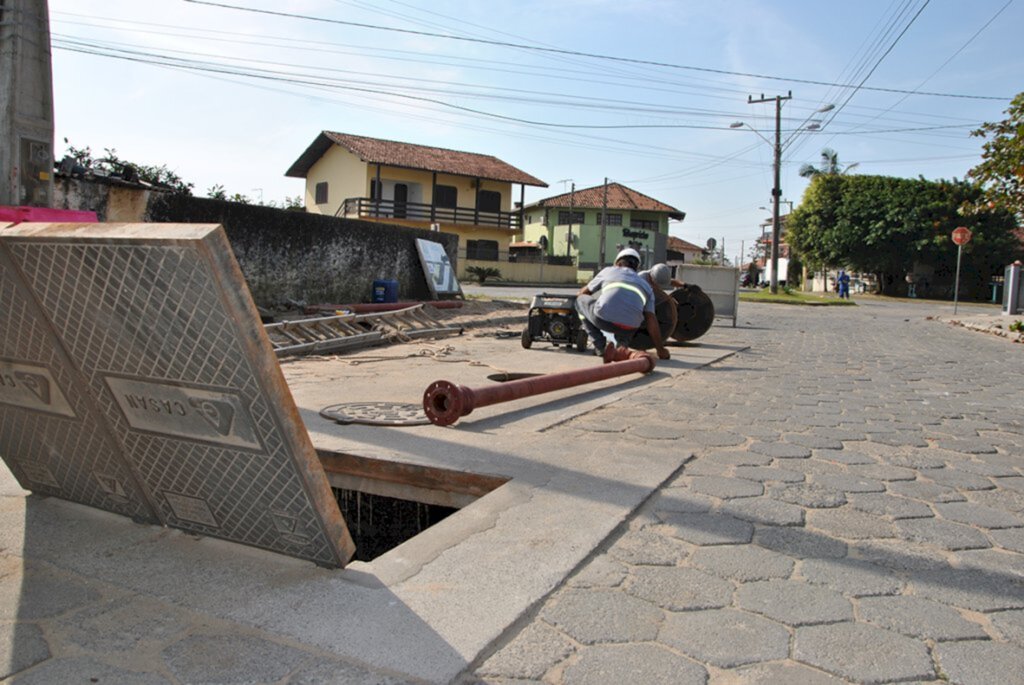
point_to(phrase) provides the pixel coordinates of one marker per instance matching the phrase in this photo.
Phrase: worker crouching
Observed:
(618, 301)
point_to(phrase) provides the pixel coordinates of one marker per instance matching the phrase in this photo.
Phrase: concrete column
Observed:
(26, 104)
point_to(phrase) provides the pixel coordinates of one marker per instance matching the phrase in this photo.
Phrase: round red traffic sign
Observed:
(961, 235)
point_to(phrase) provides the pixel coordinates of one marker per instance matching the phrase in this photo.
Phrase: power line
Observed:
(417, 57)
(627, 147)
(519, 94)
(860, 85)
(360, 86)
(577, 53)
(944, 64)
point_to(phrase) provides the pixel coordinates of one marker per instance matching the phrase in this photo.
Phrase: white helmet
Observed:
(628, 252)
(661, 275)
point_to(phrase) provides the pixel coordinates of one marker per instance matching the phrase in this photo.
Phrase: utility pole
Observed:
(604, 215)
(26, 104)
(776, 190)
(572, 208)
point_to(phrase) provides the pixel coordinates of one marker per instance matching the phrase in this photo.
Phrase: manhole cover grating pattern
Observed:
(377, 413)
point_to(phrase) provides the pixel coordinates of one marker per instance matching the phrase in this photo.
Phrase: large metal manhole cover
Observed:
(141, 344)
(376, 413)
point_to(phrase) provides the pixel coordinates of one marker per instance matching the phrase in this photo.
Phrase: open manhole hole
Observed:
(385, 503)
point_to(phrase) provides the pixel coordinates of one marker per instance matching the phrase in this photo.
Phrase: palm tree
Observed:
(830, 165)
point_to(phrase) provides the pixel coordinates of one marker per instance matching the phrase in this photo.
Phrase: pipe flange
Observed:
(444, 403)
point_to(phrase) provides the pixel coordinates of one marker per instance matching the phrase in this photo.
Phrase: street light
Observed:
(777, 167)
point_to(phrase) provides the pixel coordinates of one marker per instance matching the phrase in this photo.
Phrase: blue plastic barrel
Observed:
(385, 290)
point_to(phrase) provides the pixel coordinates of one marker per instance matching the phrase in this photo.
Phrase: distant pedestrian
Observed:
(844, 285)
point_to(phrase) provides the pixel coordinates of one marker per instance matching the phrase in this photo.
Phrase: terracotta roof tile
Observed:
(411, 156)
(619, 197)
(680, 245)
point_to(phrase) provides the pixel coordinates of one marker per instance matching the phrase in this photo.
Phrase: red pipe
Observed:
(445, 402)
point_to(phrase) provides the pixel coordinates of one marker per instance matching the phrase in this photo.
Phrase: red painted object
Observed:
(445, 402)
(17, 215)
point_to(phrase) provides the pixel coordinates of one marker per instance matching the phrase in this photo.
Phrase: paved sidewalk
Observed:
(991, 323)
(854, 513)
(844, 503)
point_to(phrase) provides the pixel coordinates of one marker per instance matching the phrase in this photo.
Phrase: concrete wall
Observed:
(110, 202)
(522, 272)
(284, 255)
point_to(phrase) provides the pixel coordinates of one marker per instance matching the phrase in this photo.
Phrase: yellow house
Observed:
(464, 193)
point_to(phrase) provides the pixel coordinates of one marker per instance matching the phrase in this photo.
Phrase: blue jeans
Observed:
(596, 326)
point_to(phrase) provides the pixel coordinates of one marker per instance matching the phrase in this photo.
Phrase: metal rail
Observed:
(325, 334)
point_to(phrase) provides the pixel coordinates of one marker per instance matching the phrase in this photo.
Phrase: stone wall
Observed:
(285, 255)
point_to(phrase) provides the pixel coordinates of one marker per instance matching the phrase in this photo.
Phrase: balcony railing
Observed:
(367, 208)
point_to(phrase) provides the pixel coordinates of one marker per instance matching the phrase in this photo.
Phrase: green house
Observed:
(569, 225)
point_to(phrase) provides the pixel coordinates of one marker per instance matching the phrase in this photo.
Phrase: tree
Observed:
(217, 192)
(830, 165)
(1001, 172)
(884, 225)
(112, 165)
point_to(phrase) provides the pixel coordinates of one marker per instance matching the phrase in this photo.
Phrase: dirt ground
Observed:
(485, 317)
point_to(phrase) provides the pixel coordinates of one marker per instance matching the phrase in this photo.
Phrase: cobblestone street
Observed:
(853, 512)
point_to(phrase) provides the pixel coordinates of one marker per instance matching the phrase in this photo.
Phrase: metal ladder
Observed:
(352, 331)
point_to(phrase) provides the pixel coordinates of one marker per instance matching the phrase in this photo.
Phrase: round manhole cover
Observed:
(376, 413)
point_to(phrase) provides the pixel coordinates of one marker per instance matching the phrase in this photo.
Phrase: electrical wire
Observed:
(418, 59)
(576, 53)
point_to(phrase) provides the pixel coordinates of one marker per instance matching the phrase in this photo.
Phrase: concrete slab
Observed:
(429, 607)
(316, 383)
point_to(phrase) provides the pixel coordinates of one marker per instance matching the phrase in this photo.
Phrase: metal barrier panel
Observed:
(159, 322)
(720, 283)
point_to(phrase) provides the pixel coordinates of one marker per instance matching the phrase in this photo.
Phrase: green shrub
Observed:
(482, 273)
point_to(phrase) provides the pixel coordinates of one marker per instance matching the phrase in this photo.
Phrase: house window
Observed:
(563, 218)
(486, 250)
(613, 219)
(446, 196)
(375, 189)
(489, 201)
(646, 224)
(321, 193)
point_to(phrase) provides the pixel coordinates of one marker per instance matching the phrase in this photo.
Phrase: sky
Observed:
(641, 92)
